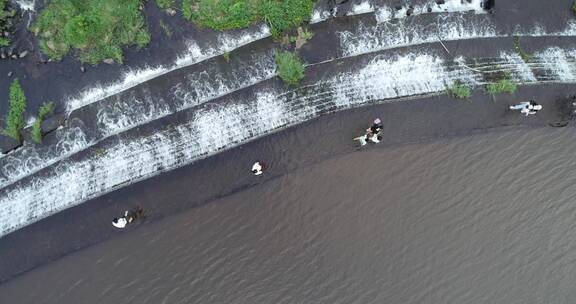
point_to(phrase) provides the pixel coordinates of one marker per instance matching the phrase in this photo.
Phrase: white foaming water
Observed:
(520, 69)
(386, 13)
(361, 8)
(457, 6)
(70, 183)
(367, 39)
(193, 55)
(126, 112)
(31, 158)
(26, 5)
(557, 61)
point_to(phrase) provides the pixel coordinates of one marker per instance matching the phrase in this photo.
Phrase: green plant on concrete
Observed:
(17, 107)
(97, 29)
(4, 41)
(280, 15)
(164, 4)
(226, 56)
(574, 7)
(45, 110)
(505, 85)
(7, 16)
(458, 90)
(100, 152)
(290, 68)
(525, 56)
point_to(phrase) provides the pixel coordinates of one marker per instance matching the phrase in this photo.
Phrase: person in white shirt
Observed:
(257, 168)
(121, 222)
(527, 108)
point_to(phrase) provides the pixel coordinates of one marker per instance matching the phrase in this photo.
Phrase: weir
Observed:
(245, 103)
(246, 115)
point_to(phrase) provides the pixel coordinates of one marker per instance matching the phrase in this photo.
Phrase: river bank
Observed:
(405, 122)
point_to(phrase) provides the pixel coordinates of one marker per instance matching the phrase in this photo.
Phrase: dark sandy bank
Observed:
(405, 122)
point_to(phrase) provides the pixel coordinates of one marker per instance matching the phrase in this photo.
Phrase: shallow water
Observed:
(483, 219)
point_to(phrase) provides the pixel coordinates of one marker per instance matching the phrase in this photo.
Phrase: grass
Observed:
(525, 56)
(458, 90)
(574, 7)
(17, 107)
(226, 56)
(100, 152)
(290, 68)
(6, 13)
(280, 15)
(96, 29)
(505, 85)
(164, 4)
(301, 37)
(45, 110)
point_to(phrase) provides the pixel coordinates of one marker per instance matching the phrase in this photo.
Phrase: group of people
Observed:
(372, 135)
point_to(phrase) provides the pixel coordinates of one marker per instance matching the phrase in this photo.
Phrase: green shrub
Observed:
(502, 86)
(574, 7)
(164, 4)
(17, 107)
(458, 90)
(290, 68)
(44, 111)
(4, 41)
(233, 14)
(97, 29)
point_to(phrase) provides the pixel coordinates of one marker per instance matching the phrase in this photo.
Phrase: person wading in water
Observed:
(372, 133)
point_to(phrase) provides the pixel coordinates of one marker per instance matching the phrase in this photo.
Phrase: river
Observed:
(486, 218)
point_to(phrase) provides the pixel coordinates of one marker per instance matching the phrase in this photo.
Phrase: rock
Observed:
(440, 2)
(6, 34)
(10, 52)
(410, 11)
(338, 2)
(82, 69)
(108, 61)
(10, 74)
(488, 4)
(429, 9)
(3, 55)
(171, 11)
(23, 54)
(14, 56)
(51, 123)
(398, 7)
(50, 45)
(8, 144)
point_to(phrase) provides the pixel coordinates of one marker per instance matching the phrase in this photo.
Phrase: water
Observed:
(132, 158)
(483, 219)
(125, 111)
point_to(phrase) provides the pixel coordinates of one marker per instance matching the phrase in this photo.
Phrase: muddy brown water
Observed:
(487, 218)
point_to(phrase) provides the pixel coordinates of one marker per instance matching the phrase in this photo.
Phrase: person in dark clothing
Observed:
(376, 126)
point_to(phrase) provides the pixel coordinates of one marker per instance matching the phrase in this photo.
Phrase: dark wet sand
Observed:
(228, 172)
(487, 218)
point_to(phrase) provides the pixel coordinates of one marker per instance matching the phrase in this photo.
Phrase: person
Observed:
(257, 168)
(121, 222)
(527, 108)
(127, 218)
(372, 133)
(376, 126)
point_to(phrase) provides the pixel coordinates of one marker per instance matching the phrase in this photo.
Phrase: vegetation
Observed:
(100, 152)
(290, 68)
(7, 19)
(505, 85)
(17, 107)
(226, 56)
(280, 15)
(525, 56)
(164, 4)
(301, 37)
(458, 90)
(574, 7)
(45, 110)
(97, 29)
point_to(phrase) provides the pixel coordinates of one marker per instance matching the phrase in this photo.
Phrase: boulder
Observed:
(108, 61)
(8, 144)
(23, 54)
(51, 123)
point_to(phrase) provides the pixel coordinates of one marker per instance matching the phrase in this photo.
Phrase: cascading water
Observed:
(135, 157)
